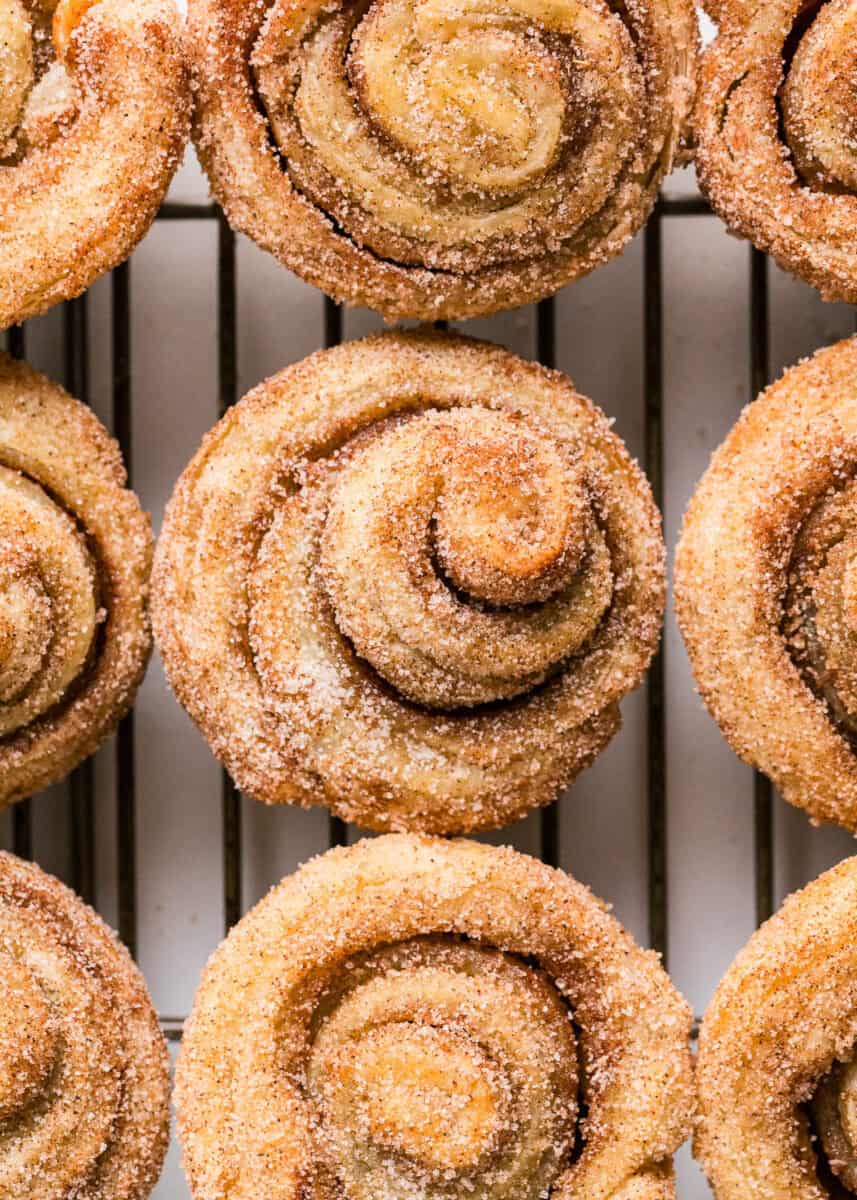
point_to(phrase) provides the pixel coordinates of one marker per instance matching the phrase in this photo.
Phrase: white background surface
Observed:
(603, 818)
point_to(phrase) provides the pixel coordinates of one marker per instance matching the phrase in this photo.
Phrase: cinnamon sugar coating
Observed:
(776, 130)
(75, 553)
(395, 1021)
(94, 116)
(440, 158)
(409, 578)
(776, 1092)
(84, 1081)
(766, 585)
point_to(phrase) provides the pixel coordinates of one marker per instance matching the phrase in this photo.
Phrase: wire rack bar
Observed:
(683, 206)
(337, 830)
(549, 829)
(182, 211)
(763, 813)
(227, 374)
(81, 798)
(22, 829)
(653, 392)
(126, 801)
(22, 826)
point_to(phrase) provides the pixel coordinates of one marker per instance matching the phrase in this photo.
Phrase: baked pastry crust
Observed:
(379, 1024)
(440, 158)
(356, 615)
(84, 1079)
(93, 128)
(775, 121)
(75, 555)
(772, 1045)
(764, 585)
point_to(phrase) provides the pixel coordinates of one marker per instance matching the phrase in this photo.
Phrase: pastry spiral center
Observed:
(48, 608)
(821, 605)
(460, 556)
(819, 99)
(510, 514)
(27, 1036)
(446, 133)
(427, 1093)
(488, 112)
(437, 1065)
(25, 620)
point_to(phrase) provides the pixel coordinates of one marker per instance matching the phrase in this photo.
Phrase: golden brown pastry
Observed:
(75, 552)
(417, 1017)
(775, 1071)
(409, 578)
(440, 158)
(766, 585)
(84, 1078)
(776, 125)
(94, 114)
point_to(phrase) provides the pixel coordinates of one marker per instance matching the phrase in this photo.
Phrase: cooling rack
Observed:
(696, 845)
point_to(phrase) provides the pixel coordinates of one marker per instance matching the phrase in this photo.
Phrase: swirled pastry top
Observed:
(94, 114)
(776, 125)
(440, 158)
(410, 578)
(776, 1051)
(75, 551)
(83, 1066)
(395, 1020)
(766, 585)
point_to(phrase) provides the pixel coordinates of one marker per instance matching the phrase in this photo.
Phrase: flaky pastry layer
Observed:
(396, 1020)
(781, 1021)
(409, 578)
(775, 124)
(84, 1078)
(440, 158)
(766, 585)
(95, 124)
(75, 554)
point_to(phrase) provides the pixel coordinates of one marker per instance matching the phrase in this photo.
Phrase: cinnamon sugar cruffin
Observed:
(772, 1041)
(84, 1082)
(440, 158)
(395, 1021)
(75, 553)
(93, 123)
(776, 127)
(766, 585)
(409, 578)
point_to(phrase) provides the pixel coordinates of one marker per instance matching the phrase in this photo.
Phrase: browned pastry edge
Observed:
(764, 186)
(761, 584)
(84, 1070)
(784, 1013)
(252, 182)
(58, 443)
(77, 207)
(291, 974)
(249, 614)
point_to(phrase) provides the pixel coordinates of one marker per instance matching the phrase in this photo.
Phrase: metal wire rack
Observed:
(84, 797)
(82, 787)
